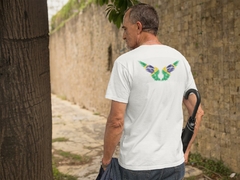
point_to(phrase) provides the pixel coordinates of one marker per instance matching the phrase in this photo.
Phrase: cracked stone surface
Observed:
(84, 133)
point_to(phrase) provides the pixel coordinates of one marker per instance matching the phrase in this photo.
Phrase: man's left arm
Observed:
(113, 131)
(190, 104)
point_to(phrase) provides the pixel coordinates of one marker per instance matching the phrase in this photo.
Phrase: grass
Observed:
(97, 113)
(66, 158)
(57, 175)
(58, 116)
(60, 139)
(76, 157)
(214, 169)
(63, 97)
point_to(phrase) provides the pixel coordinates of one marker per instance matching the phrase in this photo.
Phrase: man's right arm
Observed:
(113, 131)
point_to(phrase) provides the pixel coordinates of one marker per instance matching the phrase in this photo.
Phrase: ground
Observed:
(78, 141)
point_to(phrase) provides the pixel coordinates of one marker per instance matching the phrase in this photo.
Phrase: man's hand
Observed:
(186, 156)
(105, 164)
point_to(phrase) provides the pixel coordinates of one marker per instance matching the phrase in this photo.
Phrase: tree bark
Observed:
(25, 98)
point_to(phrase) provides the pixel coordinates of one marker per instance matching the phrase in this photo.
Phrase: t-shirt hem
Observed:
(144, 168)
(116, 99)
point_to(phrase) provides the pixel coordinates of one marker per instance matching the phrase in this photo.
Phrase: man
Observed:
(146, 87)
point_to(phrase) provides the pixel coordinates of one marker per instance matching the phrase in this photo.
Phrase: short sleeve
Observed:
(119, 84)
(190, 83)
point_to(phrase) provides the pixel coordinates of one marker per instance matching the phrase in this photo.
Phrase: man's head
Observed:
(137, 19)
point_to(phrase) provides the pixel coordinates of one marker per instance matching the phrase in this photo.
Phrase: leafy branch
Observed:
(116, 8)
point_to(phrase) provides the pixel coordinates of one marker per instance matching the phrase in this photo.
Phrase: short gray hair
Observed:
(145, 14)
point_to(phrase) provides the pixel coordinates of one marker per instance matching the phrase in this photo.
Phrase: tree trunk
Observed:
(25, 98)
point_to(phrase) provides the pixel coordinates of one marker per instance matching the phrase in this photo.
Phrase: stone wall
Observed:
(82, 53)
(207, 32)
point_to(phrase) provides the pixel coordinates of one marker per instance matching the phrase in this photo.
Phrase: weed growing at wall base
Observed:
(214, 169)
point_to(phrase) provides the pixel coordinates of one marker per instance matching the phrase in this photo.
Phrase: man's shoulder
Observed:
(123, 58)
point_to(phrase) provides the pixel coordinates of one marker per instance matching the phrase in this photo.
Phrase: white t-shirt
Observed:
(152, 80)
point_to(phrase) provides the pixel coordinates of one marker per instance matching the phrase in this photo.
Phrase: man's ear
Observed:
(139, 27)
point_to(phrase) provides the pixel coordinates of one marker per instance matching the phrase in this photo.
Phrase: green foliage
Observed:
(60, 139)
(116, 8)
(114, 11)
(60, 176)
(70, 9)
(213, 168)
(73, 158)
(66, 158)
(97, 113)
